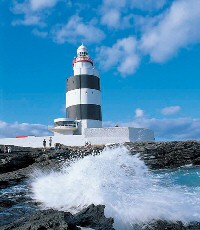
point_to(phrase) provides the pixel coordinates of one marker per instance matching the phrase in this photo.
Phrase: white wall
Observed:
(37, 142)
(90, 124)
(107, 135)
(85, 70)
(118, 135)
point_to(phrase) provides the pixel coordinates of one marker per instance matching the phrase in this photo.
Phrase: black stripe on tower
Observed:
(83, 81)
(85, 111)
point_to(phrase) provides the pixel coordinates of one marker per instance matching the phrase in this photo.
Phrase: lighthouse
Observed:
(83, 94)
(83, 121)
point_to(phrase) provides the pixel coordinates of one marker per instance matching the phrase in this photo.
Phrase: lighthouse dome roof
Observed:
(81, 49)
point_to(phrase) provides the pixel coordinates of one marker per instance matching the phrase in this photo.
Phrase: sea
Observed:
(131, 192)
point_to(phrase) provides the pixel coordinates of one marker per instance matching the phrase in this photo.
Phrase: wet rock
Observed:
(196, 161)
(15, 177)
(167, 155)
(6, 203)
(19, 158)
(91, 217)
(165, 225)
(14, 162)
(42, 220)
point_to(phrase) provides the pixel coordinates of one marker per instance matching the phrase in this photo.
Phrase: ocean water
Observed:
(131, 192)
(20, 203)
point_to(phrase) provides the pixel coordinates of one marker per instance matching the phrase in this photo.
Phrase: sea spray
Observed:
(121, 181)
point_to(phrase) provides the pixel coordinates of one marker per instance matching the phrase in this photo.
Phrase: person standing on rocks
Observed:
(9, 149)
(44, 145)
(5, 149)
(50, 142)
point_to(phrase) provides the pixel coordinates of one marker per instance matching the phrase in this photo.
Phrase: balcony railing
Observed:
(68, 126)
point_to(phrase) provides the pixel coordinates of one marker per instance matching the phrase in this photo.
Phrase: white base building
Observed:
(94, 136)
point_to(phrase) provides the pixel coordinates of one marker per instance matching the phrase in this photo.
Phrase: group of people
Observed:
(45, 143)
(7, 149)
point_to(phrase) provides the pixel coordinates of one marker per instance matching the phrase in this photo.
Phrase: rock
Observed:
(15, 177)
(42, 220)
(6, 203)
(91, 217)
(15, 162)
(196, 161)
(19, 158)
(167, 155)
(165, 225)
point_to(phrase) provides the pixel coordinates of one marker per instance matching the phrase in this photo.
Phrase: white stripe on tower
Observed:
(88, 96)
(83, 97)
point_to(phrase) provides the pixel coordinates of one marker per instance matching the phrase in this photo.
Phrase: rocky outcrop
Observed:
(167, 155)
(157, 155)
(16, 160)
(91, 217)
(18, 166)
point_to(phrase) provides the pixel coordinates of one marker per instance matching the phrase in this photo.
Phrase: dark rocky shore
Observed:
(17, 166)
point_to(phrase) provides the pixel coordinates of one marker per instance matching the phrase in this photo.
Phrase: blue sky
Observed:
(147, 52)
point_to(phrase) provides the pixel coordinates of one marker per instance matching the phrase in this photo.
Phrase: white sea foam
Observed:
(123, 183)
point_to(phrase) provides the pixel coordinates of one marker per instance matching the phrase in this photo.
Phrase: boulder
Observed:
(93, 217)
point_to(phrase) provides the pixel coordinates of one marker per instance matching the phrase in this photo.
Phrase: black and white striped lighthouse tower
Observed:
(83, 96)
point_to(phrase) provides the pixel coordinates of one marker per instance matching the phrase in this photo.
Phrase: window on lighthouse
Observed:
(83, 54)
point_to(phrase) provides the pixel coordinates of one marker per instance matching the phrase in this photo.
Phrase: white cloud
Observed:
(122, 5)
(114, 14)
(26, 16)
(183, 128)
(77, 31)
(139, 113)
(162, 35)
(170, 110)
(42, 34)
(31, 12)
(111, 18)
(41, 4)
(17, 129)
(123, 55)
(28, 20)
(178, 28)
(147, 5)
